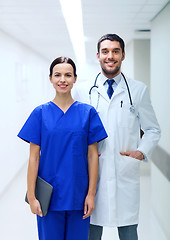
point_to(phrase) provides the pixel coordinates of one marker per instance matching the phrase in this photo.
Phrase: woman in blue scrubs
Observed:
(63, 136)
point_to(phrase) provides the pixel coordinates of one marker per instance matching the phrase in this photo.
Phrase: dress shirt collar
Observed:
(116, 79)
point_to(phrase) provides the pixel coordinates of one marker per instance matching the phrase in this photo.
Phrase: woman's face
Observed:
(63, 78)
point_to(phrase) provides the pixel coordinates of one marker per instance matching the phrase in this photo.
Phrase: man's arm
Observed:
(149, 126)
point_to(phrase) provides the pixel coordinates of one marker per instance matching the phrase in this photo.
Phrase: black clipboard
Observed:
(43, 193)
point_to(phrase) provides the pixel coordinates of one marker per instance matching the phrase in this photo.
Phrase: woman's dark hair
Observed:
(111, 37)
(63, 60)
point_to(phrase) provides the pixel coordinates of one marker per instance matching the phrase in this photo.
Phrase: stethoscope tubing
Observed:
(95, 82)
(95, 86)
(130, 98)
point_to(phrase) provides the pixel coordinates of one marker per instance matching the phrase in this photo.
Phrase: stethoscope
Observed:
(132, 108)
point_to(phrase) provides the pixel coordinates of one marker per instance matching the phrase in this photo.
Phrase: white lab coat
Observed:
(118, 187)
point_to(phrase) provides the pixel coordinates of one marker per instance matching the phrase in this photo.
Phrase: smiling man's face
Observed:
(110, 57)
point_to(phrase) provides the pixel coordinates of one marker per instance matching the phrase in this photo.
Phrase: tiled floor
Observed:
(17, 223)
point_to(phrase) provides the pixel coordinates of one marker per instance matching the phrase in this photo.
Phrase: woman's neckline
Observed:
(63, 110)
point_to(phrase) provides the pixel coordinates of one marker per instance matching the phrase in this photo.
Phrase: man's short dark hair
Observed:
(111, 37)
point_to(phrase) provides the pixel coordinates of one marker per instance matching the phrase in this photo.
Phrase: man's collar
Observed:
(116, 79)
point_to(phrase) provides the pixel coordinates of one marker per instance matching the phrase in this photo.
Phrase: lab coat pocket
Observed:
(129, 169)
(126, 117)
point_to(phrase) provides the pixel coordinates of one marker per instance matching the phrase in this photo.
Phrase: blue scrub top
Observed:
(63, 139)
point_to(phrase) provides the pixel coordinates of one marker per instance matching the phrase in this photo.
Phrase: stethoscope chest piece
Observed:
(132, 109)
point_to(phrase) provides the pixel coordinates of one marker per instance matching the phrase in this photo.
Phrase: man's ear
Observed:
(98, 56)
(123, 56)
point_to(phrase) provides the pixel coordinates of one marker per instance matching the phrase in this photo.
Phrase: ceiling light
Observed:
(72, 12)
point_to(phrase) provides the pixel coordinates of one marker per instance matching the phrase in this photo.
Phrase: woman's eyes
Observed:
(67, 75)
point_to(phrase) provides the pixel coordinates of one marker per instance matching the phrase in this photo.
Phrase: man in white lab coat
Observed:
(124, 106)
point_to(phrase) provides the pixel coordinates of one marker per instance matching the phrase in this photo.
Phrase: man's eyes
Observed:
(115, 51)
(105, 52)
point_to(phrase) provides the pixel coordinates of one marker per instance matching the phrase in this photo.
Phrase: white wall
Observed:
(160, 86)
(142, 60)
(129, 62)
(137, 60)
(160, 72)
(88, 71)
(23, 85)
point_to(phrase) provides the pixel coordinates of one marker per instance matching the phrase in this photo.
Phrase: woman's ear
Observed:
(50, 78)
(75, 79)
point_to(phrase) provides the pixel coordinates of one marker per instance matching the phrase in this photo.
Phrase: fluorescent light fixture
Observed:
(72, 12)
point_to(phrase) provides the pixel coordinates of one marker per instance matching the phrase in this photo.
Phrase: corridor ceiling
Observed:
(40, 25)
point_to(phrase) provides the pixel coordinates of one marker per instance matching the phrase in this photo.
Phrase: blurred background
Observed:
(32, 34)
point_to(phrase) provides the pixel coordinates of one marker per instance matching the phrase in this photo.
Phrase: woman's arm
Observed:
(93, 173)
(31, 178)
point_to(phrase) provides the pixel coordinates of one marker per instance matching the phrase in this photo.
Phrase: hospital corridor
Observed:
(32, 34)
(17, 222)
